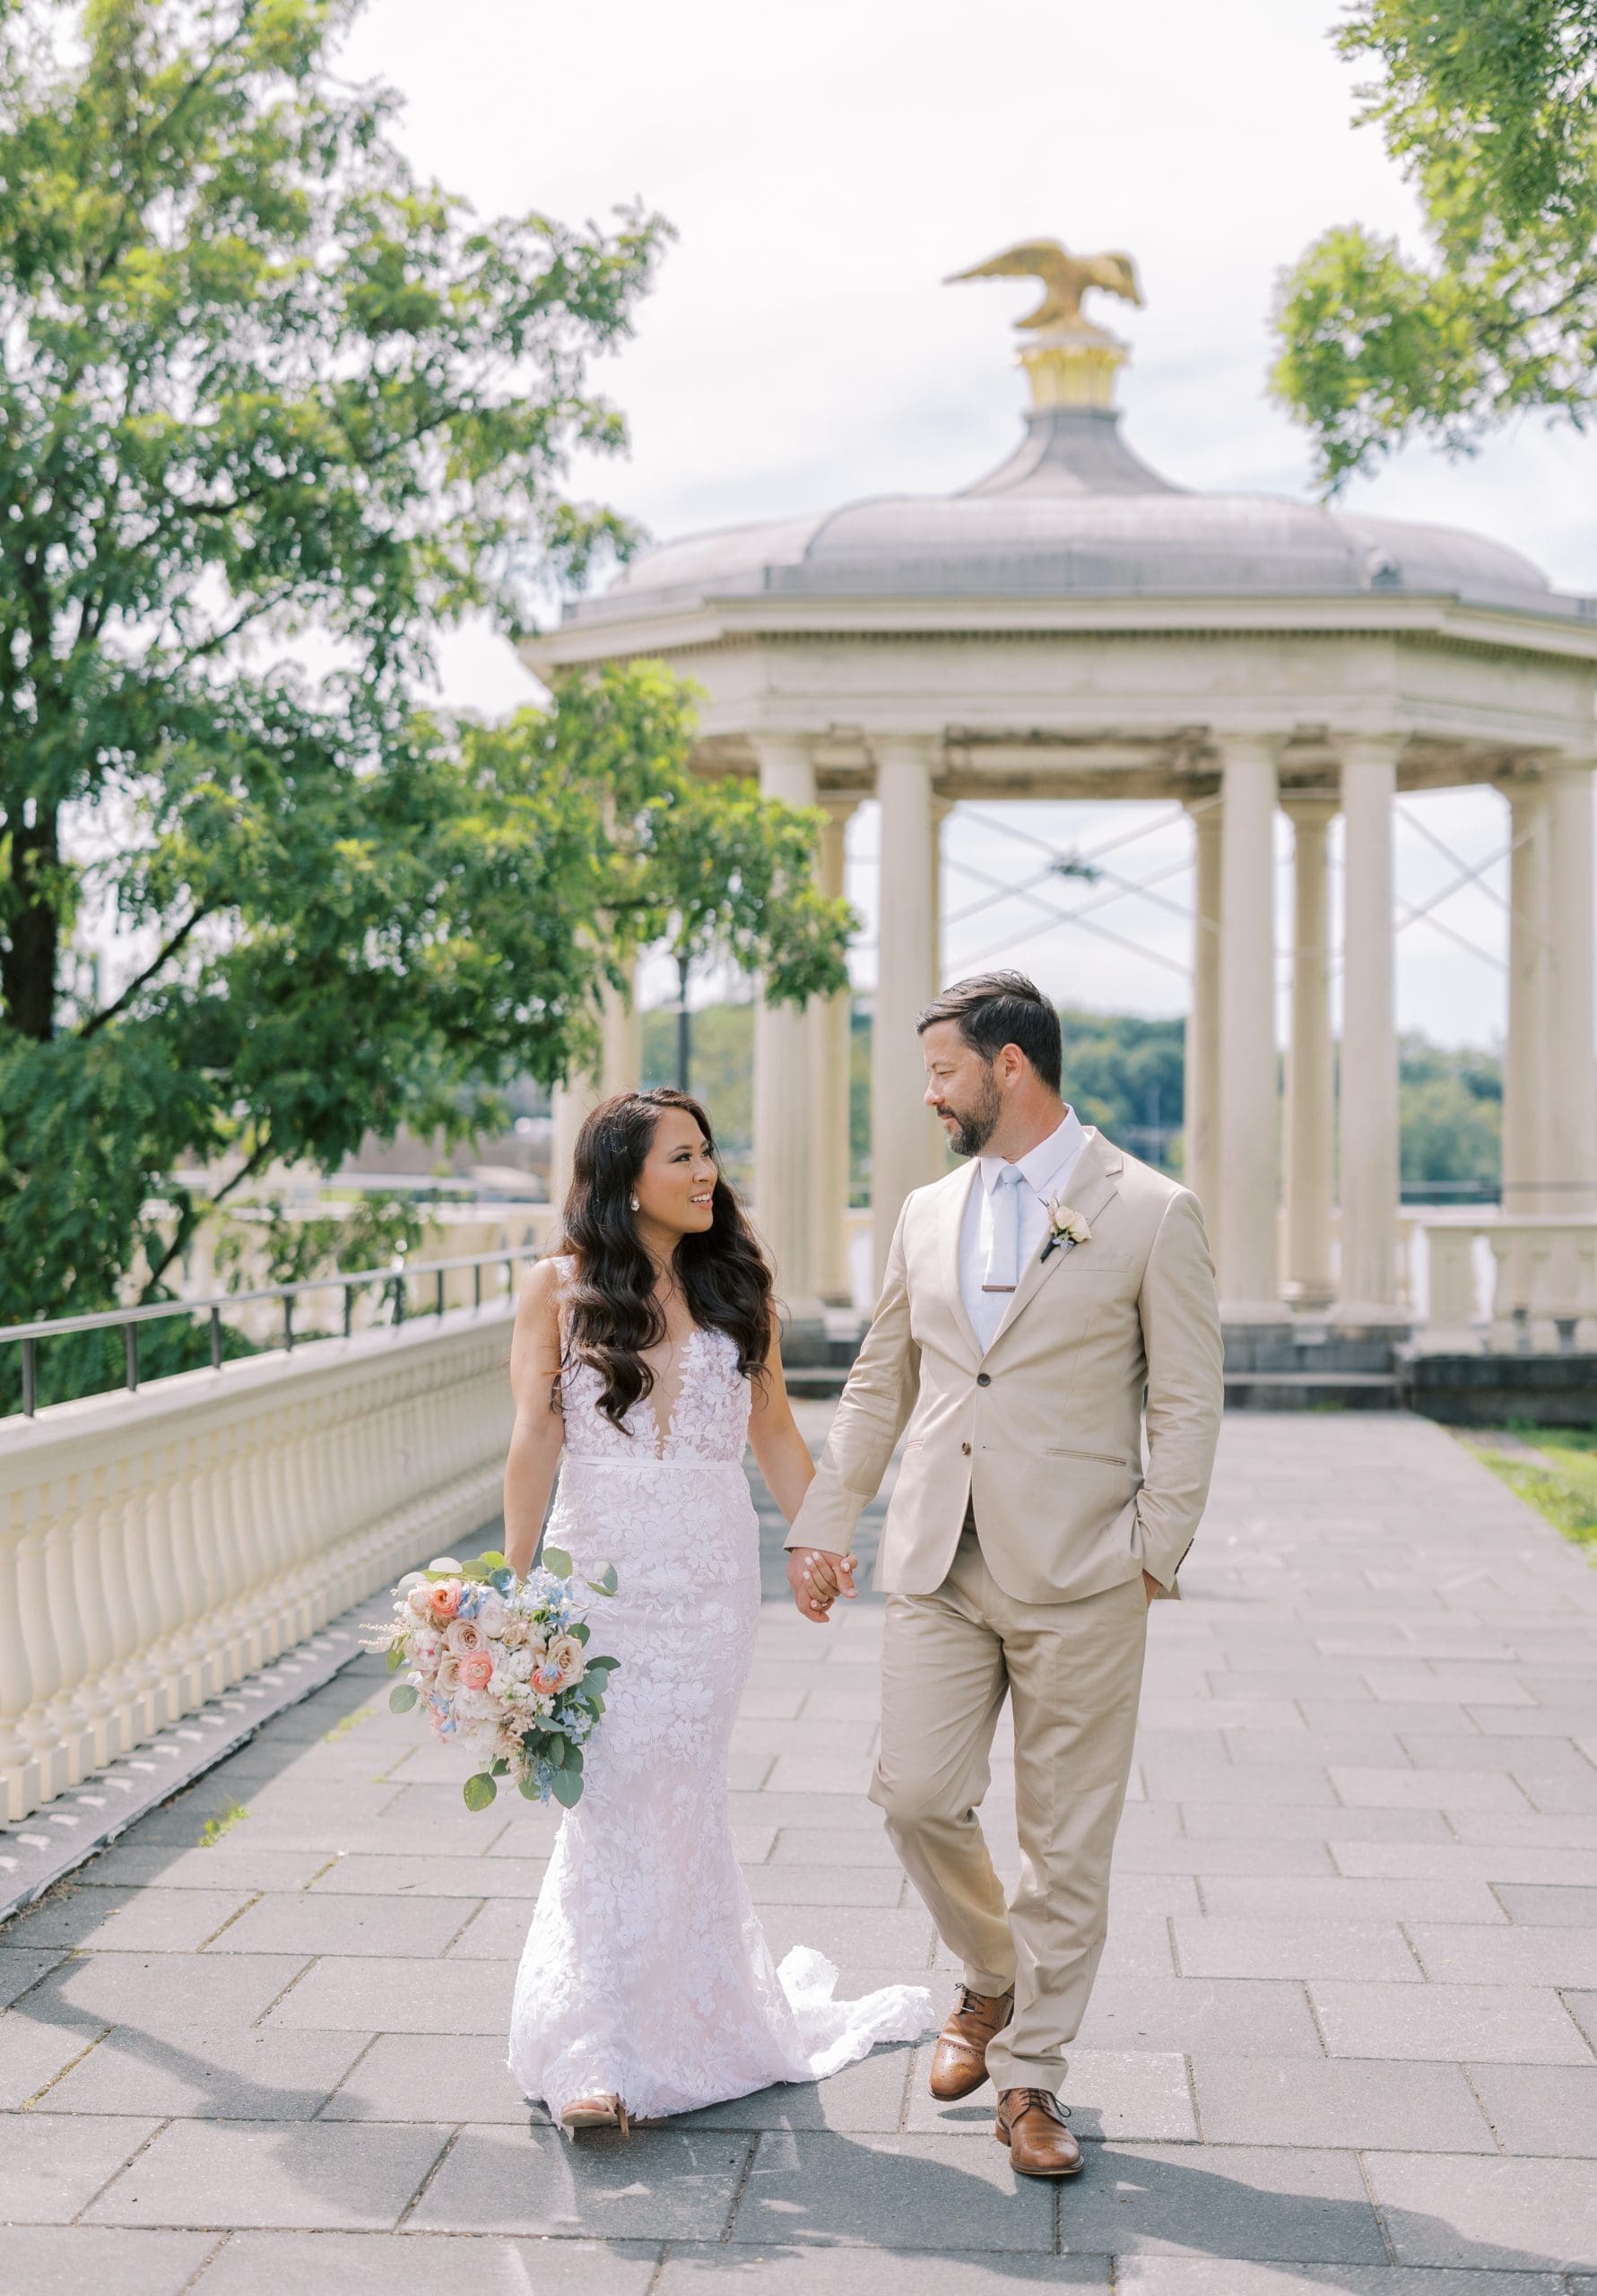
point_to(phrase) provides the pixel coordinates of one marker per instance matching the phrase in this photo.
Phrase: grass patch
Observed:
(211, 1832)
(1561, 1484)
(348, 1722)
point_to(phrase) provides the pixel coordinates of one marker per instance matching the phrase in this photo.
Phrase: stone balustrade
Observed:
(156, 1547)
(1537, 1289)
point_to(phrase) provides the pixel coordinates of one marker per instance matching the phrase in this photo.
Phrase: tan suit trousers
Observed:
(1072, 1673)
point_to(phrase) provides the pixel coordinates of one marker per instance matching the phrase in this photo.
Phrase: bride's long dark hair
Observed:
(612, 1316)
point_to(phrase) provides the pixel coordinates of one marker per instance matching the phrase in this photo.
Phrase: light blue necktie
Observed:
(1002, 1271)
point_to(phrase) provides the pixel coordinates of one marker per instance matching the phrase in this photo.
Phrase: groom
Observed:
(1042, 1307)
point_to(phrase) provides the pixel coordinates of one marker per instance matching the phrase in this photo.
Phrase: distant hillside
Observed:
(1122, 1071)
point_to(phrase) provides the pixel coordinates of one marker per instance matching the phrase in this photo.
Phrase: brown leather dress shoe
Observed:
(959, 2061)
(1031, 2123)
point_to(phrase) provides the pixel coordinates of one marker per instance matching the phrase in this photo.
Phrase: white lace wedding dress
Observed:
(647, 1972)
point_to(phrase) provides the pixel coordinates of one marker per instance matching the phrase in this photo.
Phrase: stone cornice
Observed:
(696, 625)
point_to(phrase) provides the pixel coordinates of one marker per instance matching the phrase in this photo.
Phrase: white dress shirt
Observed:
(1045, 1171)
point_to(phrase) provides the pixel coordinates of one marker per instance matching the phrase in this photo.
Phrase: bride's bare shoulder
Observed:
(542, 1292)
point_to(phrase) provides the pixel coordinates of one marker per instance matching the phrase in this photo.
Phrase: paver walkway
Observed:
(1345, 2036)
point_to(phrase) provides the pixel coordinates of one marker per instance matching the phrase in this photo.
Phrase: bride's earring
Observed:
(632, 1203)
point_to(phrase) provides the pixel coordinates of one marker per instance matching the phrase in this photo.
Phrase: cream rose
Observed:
(493, 1614)
(564, 1654)
(462, 1635)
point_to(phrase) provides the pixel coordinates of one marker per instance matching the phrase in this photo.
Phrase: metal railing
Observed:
(396, 1281)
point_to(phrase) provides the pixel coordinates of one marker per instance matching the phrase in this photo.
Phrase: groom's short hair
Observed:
(992, 1009)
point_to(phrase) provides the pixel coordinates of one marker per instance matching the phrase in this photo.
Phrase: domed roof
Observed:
(1074, 513)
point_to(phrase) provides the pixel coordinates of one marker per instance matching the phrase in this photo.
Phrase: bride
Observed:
(644, 1359)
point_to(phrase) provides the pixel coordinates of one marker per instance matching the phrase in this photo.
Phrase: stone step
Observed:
(1327, 1390)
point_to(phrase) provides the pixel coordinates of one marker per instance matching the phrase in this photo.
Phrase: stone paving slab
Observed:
(223, 2175)
(1202, 2277)
(396, 2265)
(1447, 2210)
(66, 2259)
(1345, 2034)
(209, 2075)
(659, 2184)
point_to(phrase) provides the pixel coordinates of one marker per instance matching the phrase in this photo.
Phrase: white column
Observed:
(1246, 1150)
(1524, 1053)
(1368, 1285)
(830, 1055)
(1570, 1097)
(906, 1144)
(620, 1070)
(1200, 1125)
(1311, 1089)
(786, 1118)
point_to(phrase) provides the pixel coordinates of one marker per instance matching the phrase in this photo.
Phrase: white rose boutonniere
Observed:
(1066, 1227)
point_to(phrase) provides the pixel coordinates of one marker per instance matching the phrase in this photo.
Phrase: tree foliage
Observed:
(1450, 1113)
(1491, 107)
(265, 395)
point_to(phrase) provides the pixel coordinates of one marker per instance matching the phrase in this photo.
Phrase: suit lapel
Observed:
(1091, 1186)
(951, 1227)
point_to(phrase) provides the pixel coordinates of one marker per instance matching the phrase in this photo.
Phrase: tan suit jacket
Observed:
(1044, 1432)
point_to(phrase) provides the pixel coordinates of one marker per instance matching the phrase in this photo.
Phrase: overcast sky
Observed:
(825, 165)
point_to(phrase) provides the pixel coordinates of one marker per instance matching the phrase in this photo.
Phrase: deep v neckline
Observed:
(662, 1433)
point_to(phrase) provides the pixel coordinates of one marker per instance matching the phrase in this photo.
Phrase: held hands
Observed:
(816, 1578)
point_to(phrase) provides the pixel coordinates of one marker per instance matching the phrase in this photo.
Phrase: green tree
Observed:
(259, 383)
(1450, 1111)
(1128, 1075)
(1490, 108)
(400, 944)
(721, 1074)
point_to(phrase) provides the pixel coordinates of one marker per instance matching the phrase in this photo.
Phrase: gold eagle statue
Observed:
(1065, 279)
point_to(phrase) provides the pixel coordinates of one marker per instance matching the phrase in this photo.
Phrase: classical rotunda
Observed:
(1076, 625)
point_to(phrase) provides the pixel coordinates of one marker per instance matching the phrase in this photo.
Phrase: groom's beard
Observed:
(976, 1125)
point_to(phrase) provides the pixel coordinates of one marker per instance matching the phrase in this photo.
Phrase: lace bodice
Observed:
(709, 1414)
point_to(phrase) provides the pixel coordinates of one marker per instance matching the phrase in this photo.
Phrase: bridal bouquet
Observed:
(503, 1667)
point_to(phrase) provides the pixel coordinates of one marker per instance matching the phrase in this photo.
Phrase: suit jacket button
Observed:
(966, 1449)
(984, 1379)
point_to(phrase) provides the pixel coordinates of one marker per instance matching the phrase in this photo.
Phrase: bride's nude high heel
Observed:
(596, 2112)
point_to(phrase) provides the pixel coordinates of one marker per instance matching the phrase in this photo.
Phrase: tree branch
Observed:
(165, 956)
(261, 1154)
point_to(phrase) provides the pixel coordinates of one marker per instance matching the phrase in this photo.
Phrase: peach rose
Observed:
(476, 1670)
(462, 1634)
(444, 1599)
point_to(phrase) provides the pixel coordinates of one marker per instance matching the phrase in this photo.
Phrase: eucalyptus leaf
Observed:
(403, 1697)
(578, 1631)
(478, 1791)
(557, 1751)
(606, 1582)
(568, 1787)
(395, 1659)
(603, 1666)
(557, 1561)
(529, 1787)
